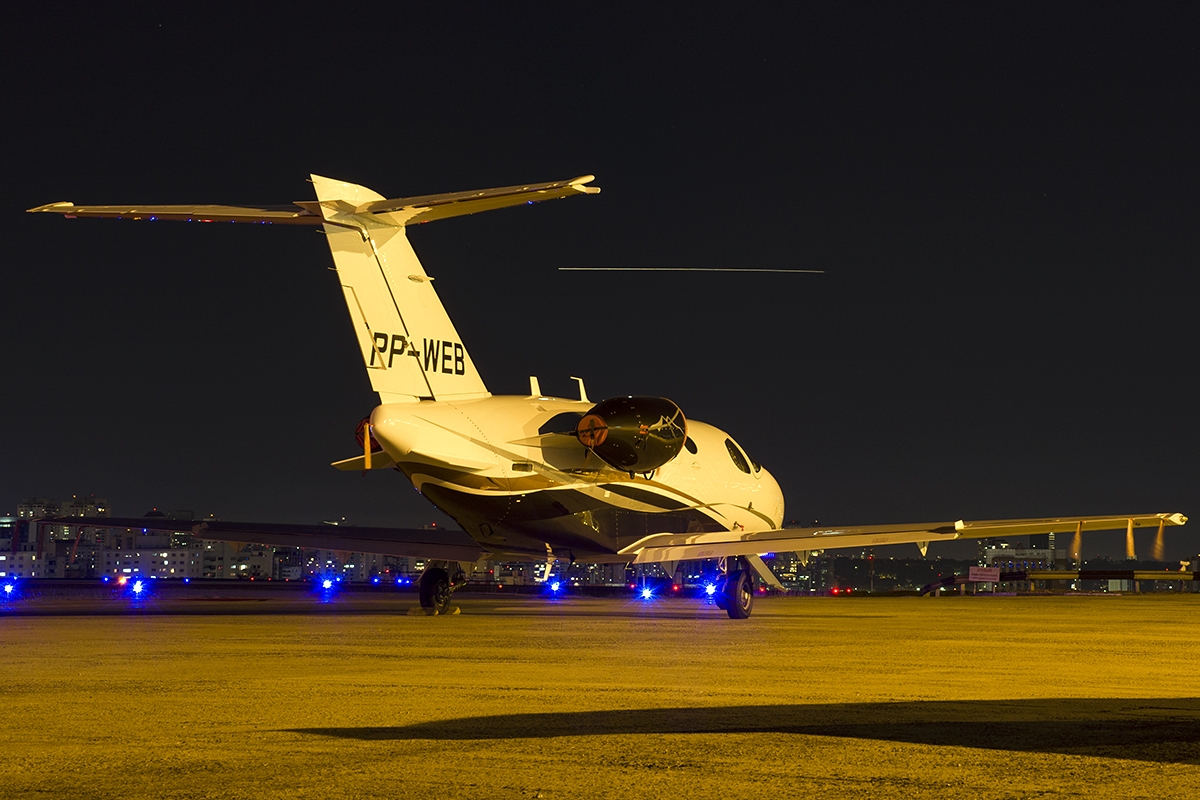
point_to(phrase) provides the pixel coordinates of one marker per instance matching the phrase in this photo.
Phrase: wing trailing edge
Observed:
(441, 544)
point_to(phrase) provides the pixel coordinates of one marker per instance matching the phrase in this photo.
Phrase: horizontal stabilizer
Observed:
(441, 544)
(454, 204)
(395, 213)
(273, 215)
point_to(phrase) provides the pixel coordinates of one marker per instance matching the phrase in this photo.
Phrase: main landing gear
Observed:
(437, 585)
(735, 589)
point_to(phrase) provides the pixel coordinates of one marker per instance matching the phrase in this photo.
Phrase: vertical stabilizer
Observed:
(408, 343)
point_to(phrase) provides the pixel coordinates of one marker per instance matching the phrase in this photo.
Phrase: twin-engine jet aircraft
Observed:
(627, 479)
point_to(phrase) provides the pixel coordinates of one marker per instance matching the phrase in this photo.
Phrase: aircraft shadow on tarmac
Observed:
(1165, 730)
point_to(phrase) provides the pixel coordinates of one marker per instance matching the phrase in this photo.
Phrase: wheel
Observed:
(434, 590)
(739, 594)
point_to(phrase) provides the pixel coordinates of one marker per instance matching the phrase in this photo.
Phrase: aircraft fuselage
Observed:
(511, 471)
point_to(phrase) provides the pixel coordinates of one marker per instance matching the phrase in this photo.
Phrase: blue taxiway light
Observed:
(647, 593)
(554, 587)
(327, 584)
(710, 589)
(9, 588)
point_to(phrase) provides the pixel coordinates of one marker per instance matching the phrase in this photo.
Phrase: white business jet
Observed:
(626, 479)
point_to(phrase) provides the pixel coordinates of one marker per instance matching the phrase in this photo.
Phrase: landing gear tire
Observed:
(434, 590)
(738, 594)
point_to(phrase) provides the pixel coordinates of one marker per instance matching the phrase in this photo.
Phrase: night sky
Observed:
(1005, 202)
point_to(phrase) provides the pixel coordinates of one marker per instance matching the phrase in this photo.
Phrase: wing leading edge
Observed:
(692, 546)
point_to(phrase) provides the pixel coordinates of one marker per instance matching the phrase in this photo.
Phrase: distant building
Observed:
(1042, 541)
(233, 560)
(1011, 558)
(151, 563)
(22, 565)
(8, 531)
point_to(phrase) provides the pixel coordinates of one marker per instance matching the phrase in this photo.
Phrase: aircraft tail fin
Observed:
(409, 345)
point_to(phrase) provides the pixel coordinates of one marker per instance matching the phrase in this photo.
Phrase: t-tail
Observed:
(409, 346)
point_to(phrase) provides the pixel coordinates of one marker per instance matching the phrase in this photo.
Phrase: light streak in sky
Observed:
(686, 269)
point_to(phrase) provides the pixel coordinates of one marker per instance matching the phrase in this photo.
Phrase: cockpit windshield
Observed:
(735, 453)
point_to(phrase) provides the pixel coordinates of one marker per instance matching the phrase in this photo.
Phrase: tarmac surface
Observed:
(283, 696)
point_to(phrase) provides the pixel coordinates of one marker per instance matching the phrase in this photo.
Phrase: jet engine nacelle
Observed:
(633, 434)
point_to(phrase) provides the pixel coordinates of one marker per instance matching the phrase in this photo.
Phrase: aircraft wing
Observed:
(691, 546)
(440, 544)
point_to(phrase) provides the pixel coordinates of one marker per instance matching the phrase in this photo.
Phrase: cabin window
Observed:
(739, 460)
(522, 466)
(690, 445)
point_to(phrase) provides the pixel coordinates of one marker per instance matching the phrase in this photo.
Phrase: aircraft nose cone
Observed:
(772, 502)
